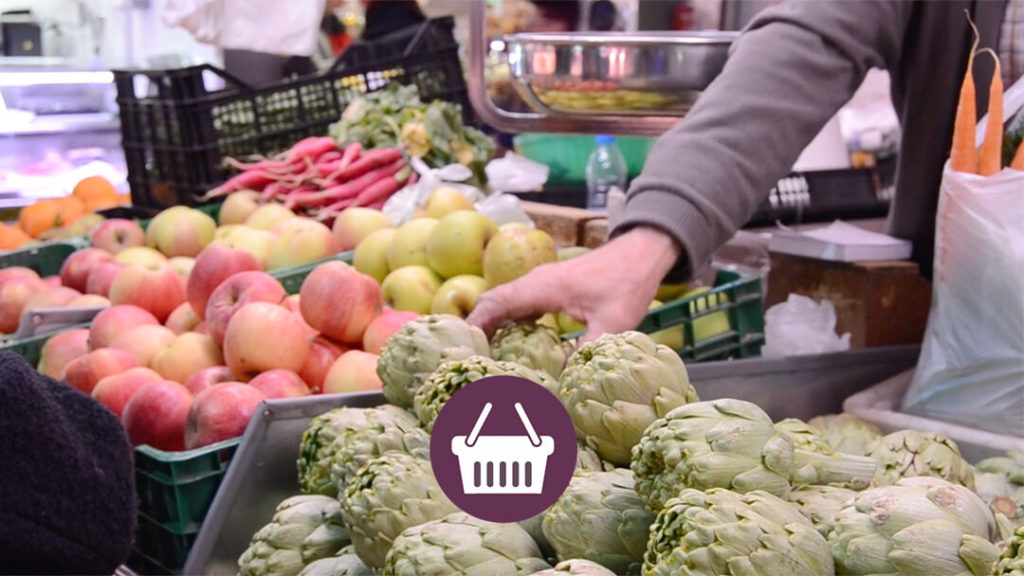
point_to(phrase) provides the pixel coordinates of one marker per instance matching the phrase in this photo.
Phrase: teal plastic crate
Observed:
(31, 348)
(292, 277)
(160, 548)
(46, 259)
(566, 155)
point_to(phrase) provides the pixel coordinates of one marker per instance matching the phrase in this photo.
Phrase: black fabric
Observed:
(383, 18)
(67, 494)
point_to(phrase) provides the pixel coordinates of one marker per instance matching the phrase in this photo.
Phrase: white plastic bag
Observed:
(514, 173)
(267, 26)
(971, 368)
(801, 325)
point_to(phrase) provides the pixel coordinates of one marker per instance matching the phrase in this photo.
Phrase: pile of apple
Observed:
(440, 261)
(194, 376)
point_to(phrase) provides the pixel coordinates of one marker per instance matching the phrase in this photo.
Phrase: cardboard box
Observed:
(565, 225)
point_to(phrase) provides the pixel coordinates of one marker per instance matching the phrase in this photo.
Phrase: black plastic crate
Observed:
(176, 137)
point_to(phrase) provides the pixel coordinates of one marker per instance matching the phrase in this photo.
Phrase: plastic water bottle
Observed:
(605, 168)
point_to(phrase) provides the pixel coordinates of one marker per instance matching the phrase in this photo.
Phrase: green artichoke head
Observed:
(599, 517)
(389, 494)
(453, 375)
(724, 443)
(614, 387)
(354, 447)
(304, 529)
(576, 567)
(419, 347)
(718, 531)
(846, 433)
(344, 563)
(820, 504)
(460, 544)
(816, 463)
(909, 453)
(920, 525)
(533, 345)
(1011, 466)
(588, 460)
(1011, 556)
(317, 449)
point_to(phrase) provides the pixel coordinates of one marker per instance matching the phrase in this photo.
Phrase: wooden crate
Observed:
(566, 225)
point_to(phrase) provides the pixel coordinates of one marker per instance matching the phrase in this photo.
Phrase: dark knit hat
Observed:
(67, 493)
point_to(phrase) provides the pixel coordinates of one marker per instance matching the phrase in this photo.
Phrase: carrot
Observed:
(991, 153)
(963, 157)
(1018, 158)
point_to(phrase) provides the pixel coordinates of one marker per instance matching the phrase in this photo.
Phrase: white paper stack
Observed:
(840, 242)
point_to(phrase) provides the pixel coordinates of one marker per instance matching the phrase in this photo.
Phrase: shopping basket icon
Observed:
(502, 464)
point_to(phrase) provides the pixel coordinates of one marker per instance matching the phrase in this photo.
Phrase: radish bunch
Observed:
(319, 179)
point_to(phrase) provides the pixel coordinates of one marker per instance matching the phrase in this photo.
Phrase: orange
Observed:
(12, 237)
(39, 217)
(97, 204)
(70, 209)
(94, 188)
(124, 199)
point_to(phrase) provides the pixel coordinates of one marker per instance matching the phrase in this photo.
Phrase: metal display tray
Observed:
(263, 471)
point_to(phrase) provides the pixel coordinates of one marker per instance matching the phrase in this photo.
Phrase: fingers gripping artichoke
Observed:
(304, 529)
(317, 450)
(918, 526)
(816, 463)
(721, 532)
(724, 443)
(599, 517)
(391, 493)
(533, 345)
(419, 347)
(846, 433)
(616, 386)
(909, 453)
(576, 567)
(821, 504)
(345, 563)
(461, 545)
(453, 375)
(1011, 559)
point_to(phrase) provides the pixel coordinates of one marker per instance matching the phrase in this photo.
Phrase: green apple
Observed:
(410, 288)
(301, 240)
(456, 245)
(267, 216)
(513, 252)
(409, 246)
(180, 231)
(712, 324)
(572, 252)
(567, 324)
(457, 296)
(356, 223)
(446, 200)
(371, 256)
(668, 292)
(254, 241)
(140, 256)
(672, 336)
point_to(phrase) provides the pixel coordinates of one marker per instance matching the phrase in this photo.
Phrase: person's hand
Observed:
(608, 289)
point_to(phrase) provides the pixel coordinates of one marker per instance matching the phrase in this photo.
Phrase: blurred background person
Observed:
(384, 17)
(556, 16)
(603, 17)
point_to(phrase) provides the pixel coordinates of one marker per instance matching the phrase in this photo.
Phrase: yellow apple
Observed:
(409, 245)
(371, 256)
(140, 256)
(238, 206)
(182, 264)
(254, 241)
(180, 231)
(411, 288)
(189, 353)
(446, 200)
(302, 240)
(458, 295)
(356, 223)
(268, 215)
(456, 245)
(513, 252)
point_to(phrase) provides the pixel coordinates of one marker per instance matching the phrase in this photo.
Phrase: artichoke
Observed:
(918, 526)
(816, 463)
(909, 453)
(723, 443)
(820, 504)
(304, 529)
(419, 347)
(345, 563)
(1011, 559)
(576, 567)
(357, 446)
(587, 459)
(453, 375)
(460, 544)
(614, 387)
(1011, 466)
(533, 345)
(391, 493)
(846, 433)
(722, 532)
(534, 526)
(317, 450)
(599, 517)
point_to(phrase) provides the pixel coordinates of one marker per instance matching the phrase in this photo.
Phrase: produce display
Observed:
(706, 487)
(66, 217)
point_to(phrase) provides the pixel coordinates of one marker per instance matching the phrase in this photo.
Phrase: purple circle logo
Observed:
(503, 449)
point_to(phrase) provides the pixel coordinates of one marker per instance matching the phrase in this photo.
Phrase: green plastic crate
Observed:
(46, 258)
(31, 348)
(292, 277)
(566, 155)
(740, 298)
(160, 548)
(178, 487)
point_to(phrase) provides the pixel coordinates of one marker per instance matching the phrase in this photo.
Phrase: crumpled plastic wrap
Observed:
(801, 326)
(514, 173)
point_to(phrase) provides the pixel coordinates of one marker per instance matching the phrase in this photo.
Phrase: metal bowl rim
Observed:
(652, 38)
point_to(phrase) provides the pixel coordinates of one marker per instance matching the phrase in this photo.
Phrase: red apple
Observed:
(52, 281)
(116, 234)
(144, 342)
(249, 347)
(115, 391)
(354, 371)
(322, 354)
(155, 415)
(52, 298)
(383, 327)
(74, 273)
(101, 277)
(208, 377)
(220, 413)
(61, 349)
(113, 321)
(280, 384)
(157, 288)
(234, 293)
(215, 264)
(17, 272)
(292, 303)
(87, 370)
(15, 292)
(202, 328)
(339, 301)
(89, 301)
(188, 354)
(183, 319)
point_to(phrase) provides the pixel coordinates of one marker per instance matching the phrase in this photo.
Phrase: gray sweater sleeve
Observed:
(793, 68)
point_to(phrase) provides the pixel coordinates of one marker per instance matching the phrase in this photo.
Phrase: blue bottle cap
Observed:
(605, 139)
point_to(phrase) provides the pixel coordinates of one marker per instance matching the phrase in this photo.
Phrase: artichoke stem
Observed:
(846, 469)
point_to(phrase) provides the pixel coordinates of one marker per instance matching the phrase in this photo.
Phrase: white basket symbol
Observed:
(503, 464)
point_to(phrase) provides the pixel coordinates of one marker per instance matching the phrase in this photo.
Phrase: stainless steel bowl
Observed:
(648, 73)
